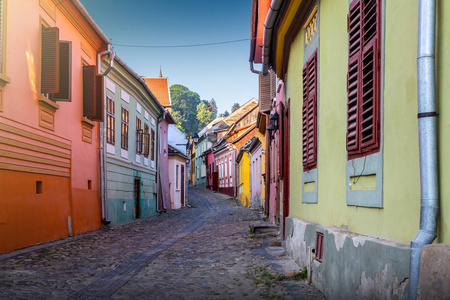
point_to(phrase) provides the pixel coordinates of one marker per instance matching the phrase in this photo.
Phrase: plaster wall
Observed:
(175, 192)
(353, 266)
(164, 189)
(244, 180)
(256, 182)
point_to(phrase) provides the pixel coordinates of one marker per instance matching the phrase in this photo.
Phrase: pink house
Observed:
(164, 199)
(224, 159)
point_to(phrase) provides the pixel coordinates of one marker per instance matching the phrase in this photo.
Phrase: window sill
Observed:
(47, 103)
(4, 80)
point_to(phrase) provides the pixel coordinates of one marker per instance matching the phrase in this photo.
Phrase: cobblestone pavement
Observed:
(202, 252)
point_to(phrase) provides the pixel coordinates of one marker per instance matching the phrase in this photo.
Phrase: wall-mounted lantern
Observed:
(195, 137)
(274, 120)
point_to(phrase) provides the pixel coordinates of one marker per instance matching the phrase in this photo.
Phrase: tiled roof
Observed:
(160, 88)
(241, 111)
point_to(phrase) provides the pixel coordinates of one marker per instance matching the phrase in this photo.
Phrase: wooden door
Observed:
(137, 196)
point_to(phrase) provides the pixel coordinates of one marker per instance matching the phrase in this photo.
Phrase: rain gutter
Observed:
(268, 27)
(427, 115)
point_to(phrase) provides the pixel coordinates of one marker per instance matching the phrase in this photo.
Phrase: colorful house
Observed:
(177, 177)
(242, 129)
(243, 167)
(255, 150)
(50, 105)
(364, 193)
(131, 126)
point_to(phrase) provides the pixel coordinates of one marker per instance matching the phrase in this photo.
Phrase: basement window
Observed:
(319, 247)
(89, 184)
(38, 187)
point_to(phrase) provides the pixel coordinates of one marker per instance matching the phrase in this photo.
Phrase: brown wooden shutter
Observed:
(50, 60)
(89, 107)
(152, 145)
(98, 100)
(146, 138)
(139, 138)
(65, 69)
(309, 118)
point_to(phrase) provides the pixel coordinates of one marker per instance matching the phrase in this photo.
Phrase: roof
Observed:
(175, 152)
(210, 125)
(241, 111)
(160, 87)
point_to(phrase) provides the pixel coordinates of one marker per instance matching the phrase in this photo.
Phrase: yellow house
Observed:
(243, 162)
(361, 186)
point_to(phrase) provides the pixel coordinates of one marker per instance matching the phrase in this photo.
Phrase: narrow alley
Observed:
(212, 255)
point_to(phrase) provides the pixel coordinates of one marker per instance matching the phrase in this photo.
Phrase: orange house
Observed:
(50, 99)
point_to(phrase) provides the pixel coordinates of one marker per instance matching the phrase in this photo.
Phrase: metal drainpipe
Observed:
(429, 177)
(268, 26)
(158, 162)
(102, 137)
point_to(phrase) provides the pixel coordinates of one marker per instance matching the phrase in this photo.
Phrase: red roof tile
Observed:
(160, 88)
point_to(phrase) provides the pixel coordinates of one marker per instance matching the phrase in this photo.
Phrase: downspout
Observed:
(158, 163)
(102, 137)
(268, 26)
(429, 178)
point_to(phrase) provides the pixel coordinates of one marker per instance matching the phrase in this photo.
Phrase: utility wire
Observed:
(183, 46)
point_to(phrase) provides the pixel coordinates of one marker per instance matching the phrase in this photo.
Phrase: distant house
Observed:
(131, 126)
(177, 177)
(51, 103)
(232, 133)
(161, 89)
(178, 172)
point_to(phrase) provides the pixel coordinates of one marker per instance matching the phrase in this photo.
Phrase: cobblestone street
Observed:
(205, 251)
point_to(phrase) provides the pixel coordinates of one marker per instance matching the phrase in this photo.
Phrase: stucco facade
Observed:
(131, 168)
(355, 203)
(48, 149)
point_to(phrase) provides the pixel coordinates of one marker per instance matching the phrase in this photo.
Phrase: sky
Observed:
(220, 71)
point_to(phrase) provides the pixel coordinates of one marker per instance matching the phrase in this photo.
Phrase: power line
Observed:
(182, 46)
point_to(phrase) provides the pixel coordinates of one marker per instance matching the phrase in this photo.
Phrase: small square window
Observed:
(89, 184)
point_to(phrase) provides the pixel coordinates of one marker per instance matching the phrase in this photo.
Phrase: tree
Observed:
(234, 107)
(204, 116)
(213, 107)
(225, 114)
(185, 101)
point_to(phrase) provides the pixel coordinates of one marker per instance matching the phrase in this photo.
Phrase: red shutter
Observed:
(309, 125)
(65, 69)
(50, 60)
(363, 78)
(89, 91)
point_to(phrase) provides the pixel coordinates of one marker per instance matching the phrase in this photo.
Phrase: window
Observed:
(230, 166)
(319, 246)
(139, 136)
(65, 72)
(309, 113)
(153, 145)
(146, 141)
(110, 121)
(363, 78)
(176, 178)
(124, 129)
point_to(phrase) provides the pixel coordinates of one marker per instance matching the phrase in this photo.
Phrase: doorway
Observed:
(137, 197)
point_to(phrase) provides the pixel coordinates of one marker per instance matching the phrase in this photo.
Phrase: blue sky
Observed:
(220, 72)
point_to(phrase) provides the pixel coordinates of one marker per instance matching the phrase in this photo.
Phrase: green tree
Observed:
(234, 107)
(213, 107)
(185, 101)
(204, 116)
(225, 114)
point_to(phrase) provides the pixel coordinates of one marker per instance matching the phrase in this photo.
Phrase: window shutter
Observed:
(50, 60)
(89, 91)
(153, 145)
(363, 78)
(98, 99)
(146, 138)
(139, 138)
(65, 69)
(310, 113)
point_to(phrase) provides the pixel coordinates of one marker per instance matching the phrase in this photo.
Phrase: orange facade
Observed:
(49, 156)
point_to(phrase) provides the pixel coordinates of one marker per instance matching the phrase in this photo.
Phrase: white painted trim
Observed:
(145, 161)
(125, 96)
(138, 107)
(110, 85)
(110, 149)
(146, 116)
(124, 153)
(153, 121)
(138, 158)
